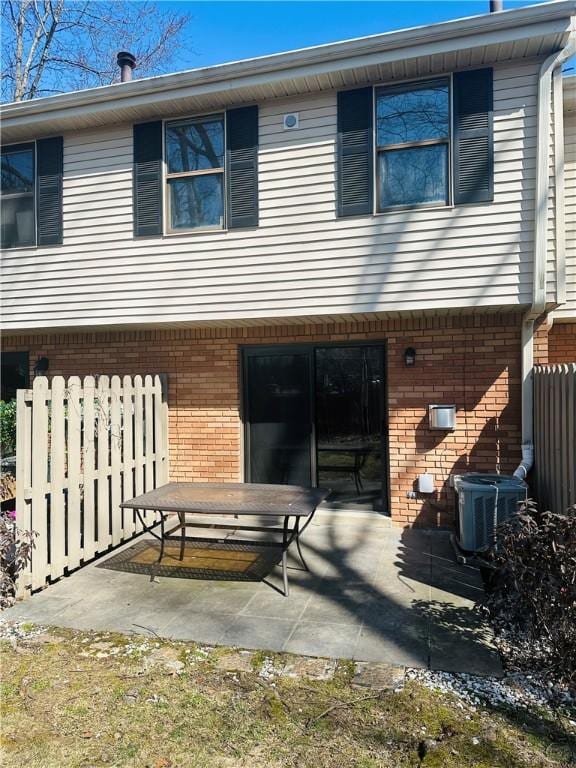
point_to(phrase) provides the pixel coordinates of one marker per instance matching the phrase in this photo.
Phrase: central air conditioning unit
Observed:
(484, 502)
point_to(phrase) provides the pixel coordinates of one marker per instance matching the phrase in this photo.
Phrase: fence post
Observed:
(103, 458)
(89, 532)
(115, 458)
(148, 438)
(165, 464)
(23, 479)
(74, 473)
(57, 459)
(128, 454)
(138, 442)
(39, 448)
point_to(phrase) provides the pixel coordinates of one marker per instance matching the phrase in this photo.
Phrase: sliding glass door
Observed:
(316, 415)
(278, 407)
(349, 423)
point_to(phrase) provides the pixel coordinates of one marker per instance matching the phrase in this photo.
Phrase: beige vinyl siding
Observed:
(301, 260)
(568, 310)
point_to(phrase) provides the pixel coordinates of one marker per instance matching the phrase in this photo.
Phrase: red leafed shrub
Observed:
(533, 598)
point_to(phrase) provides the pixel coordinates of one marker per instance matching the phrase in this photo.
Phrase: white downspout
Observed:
(540, 242)
(559, 187)
(527, 350)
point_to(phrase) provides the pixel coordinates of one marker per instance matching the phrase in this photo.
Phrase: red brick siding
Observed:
(472, 362)
(562, 343)
(541, 340)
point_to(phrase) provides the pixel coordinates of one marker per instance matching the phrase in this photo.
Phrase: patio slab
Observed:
(375, 593)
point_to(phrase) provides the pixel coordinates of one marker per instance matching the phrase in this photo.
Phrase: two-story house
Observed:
(316, 247)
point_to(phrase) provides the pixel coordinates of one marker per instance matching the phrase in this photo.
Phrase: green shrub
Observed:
(8, 427)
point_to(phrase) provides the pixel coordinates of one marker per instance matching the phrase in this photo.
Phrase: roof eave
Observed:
(488, 29)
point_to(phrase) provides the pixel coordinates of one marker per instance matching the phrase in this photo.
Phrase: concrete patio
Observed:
(374, 593)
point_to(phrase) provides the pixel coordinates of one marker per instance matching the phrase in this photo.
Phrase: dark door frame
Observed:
(247, 350)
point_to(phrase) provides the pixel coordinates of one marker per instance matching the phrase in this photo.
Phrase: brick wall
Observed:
(562, 343)
(542, 328)
(472, 362)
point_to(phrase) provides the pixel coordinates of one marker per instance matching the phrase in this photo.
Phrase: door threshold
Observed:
(333, 510)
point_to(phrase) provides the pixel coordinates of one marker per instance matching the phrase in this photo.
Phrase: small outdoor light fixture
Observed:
(42, 365)
(442, 417)
(409, 357)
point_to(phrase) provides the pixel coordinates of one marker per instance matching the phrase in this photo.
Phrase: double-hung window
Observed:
(195, 179)
(18, 196)
(413, 145)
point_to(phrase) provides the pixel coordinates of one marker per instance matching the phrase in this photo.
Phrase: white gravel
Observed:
(518, 690)
(14, 631)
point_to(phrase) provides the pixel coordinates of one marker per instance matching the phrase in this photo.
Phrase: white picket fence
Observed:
(82, 447)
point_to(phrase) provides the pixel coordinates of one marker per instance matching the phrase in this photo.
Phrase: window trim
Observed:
(168, 231)
(402, 87)
(25, 145)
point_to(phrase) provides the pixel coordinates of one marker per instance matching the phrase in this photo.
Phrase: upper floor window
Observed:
(412, 145)
(195, 152)
(197, 174)
(18, 193)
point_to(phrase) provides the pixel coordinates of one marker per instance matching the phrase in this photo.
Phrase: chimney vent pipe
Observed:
(126, 61)
(496, 6)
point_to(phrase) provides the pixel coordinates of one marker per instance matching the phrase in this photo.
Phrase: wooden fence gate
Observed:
(82, 447)
(555, 435)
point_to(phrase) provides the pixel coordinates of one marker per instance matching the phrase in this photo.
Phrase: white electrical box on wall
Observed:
(426, 483)
(291, 121)
(442, 417)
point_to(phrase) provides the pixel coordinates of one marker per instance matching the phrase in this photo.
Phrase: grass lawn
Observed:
(86, 699)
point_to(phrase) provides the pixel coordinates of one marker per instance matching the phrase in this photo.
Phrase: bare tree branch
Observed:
(19, 46)
(55, 18)
(52, 46)
(39, 33)
(41, 21)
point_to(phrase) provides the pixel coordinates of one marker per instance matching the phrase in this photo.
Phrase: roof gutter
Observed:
(543, 143)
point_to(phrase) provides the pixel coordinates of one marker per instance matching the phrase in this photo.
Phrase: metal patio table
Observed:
(269, 502)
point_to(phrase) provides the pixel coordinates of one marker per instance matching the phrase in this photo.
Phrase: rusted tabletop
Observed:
(231, 498)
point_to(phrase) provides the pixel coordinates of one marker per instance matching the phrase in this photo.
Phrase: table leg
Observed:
(304, 563)
(307, 523)
(161, 537)
(285, 544)
(148, 529)
(182, 517)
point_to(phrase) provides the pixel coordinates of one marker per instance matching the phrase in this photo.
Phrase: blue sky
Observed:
(227, 31)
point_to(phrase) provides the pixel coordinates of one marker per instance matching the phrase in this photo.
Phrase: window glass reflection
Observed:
(196, 202)
(195, 146)
(413, 176)
(412, 115)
